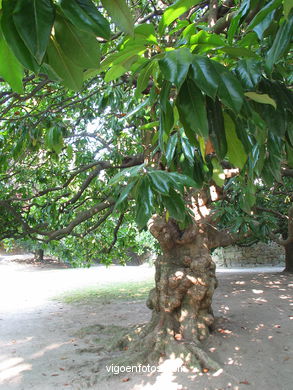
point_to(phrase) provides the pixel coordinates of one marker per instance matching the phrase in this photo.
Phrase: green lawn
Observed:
(105, 293)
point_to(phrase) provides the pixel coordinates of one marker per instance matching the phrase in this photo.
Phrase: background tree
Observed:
(188, 96)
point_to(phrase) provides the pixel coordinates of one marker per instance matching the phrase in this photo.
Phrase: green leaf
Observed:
(121, 56)
(149, 125)
(126, 173)
(216, 127)
(13, 38)
(280, 44)
(144, 78)
(10, 69)
(84, 15)
(234, 25)
(261, 98)
(267, 9)
(119, 69)
(80, 47)
(120, 14)
(160, 181)
(34, 21)
(125, 192)
(192, 112)
(203, 74)
(288, 5)
(188, 150)
(175, 205)
(54, 139)
(174, 11)
(146, 30)
(175, 65)
(247, 197)
(218, 173)
(204, 41)
(230, 90)
(171, 147)
(238, 52)
(289, 152)
(249, 72)
(71, 75)
(261, 28)
(180, 180)
(235, 153)
(144, 202)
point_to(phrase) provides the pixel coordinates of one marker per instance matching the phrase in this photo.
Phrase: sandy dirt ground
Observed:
(47, 345)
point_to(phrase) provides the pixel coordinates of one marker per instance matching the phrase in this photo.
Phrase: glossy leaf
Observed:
(216, 127)
(234, 25)
(188, 150)
(267, 9)
(203, 74)
(34, 21)
(125, 193)
(171, 147)
(280, 44)
(79, 46)
(204, 41)
(13, 38)
(249, 72)
(192, 111)
(261, 98)
(235, 153)
(230, 90)
(238, 52)
(10, 68)
(144, 78)
(71, 74)
(178, 180)
(174, 11)
(126, 173)
(84, 15)
(120, 14)
(264, 25)
(147, 31)
(118, 70)
(144, 202)
(160, 181)
(175, 206)
(175, 65)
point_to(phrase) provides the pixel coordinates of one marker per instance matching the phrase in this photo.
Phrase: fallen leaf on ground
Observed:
(244, 383)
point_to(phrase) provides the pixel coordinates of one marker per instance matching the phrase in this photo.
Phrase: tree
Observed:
(192, 94)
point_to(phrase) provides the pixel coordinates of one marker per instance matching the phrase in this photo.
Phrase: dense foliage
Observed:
(114, 109)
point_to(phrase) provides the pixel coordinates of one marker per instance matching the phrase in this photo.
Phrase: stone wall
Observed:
(259, 254)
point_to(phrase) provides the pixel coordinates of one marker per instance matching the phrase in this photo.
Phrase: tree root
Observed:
(144, 347)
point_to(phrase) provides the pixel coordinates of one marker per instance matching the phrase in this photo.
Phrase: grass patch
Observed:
(125, 291)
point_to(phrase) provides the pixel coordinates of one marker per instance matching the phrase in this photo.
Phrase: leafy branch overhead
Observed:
(184, 91)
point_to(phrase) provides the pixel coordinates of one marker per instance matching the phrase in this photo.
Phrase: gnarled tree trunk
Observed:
(181, 301)
(288, 243)
(289, 257)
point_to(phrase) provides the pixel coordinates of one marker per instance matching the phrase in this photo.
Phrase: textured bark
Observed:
(288, 243)
(289, 257)
(185, 281)
(181, 301)
(39, 255)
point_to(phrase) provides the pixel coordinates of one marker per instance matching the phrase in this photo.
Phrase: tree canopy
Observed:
(114, 106)
(177, 115)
